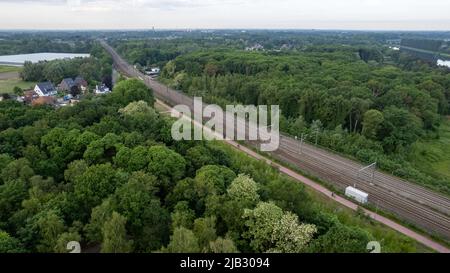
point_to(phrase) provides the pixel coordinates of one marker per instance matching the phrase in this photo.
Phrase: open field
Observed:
(9, 78)
(9, 75)
(7, 86)
(433, 156)
(6, 69)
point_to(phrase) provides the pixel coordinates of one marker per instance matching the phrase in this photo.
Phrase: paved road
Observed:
(422, 207)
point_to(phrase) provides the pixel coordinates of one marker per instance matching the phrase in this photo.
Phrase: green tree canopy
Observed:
(270, 229)
(372, 123)
(132, 90)
(183, 241)
(115, 235)
(9, 244)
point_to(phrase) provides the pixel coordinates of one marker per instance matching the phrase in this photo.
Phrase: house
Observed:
(285, 47)
(67, 84)
(45, 89)
(102, 89)
(29, 96)
(256, 47)
(44, 100)
(81, 83)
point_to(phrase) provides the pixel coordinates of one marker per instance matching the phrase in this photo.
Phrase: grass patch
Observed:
(433, 156)
(6, 69)
(7, 86)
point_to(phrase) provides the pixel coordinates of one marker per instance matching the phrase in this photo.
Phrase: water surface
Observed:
(36, 57)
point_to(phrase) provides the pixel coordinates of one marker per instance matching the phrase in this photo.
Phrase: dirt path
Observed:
(9, 75)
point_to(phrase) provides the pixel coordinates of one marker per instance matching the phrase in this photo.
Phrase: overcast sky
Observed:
(298, 14)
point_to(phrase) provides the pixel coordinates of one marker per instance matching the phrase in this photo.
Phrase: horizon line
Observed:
(222, 29)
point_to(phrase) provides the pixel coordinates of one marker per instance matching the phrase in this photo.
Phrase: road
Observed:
(407, 201)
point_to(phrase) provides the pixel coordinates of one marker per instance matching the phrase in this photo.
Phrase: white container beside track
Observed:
(356, 194)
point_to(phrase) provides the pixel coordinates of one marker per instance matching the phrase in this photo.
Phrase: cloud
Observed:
(157, 4)
(412, 14)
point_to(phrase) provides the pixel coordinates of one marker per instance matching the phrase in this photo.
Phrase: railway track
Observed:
(378, 196)
(350, 169)
(410, 202)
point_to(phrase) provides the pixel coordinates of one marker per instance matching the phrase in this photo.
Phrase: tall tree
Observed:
(222, 245)
(115, 235)
(205, 231)
(183, 241)
(50, 226)
(372, 123)
(269, 229)
(132, 90)
(244, 190)
(399, 129)
(342, 239)
(9, 244)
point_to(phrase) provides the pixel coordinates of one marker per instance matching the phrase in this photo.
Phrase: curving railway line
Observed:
(424, 208)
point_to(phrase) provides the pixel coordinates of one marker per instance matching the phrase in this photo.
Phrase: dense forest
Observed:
(365, 101)
(106, 173)
(12, 43)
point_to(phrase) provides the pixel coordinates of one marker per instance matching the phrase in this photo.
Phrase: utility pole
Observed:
(373, 168)
(317, 135)
(299, 144)
(376, 210)
(302, 142)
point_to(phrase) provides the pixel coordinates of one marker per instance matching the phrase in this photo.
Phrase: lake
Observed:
(443, 63)
(36, 57)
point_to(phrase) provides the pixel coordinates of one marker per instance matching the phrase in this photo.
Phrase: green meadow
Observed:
(433, 156)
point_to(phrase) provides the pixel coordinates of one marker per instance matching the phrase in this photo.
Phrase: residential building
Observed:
(45, 89)
(67, 84)
(81, 83)
(102, 89)
(256, 47)
(29, 96)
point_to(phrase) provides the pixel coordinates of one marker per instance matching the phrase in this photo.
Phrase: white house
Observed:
(256, 47)
(102, 89)
(45, 89)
